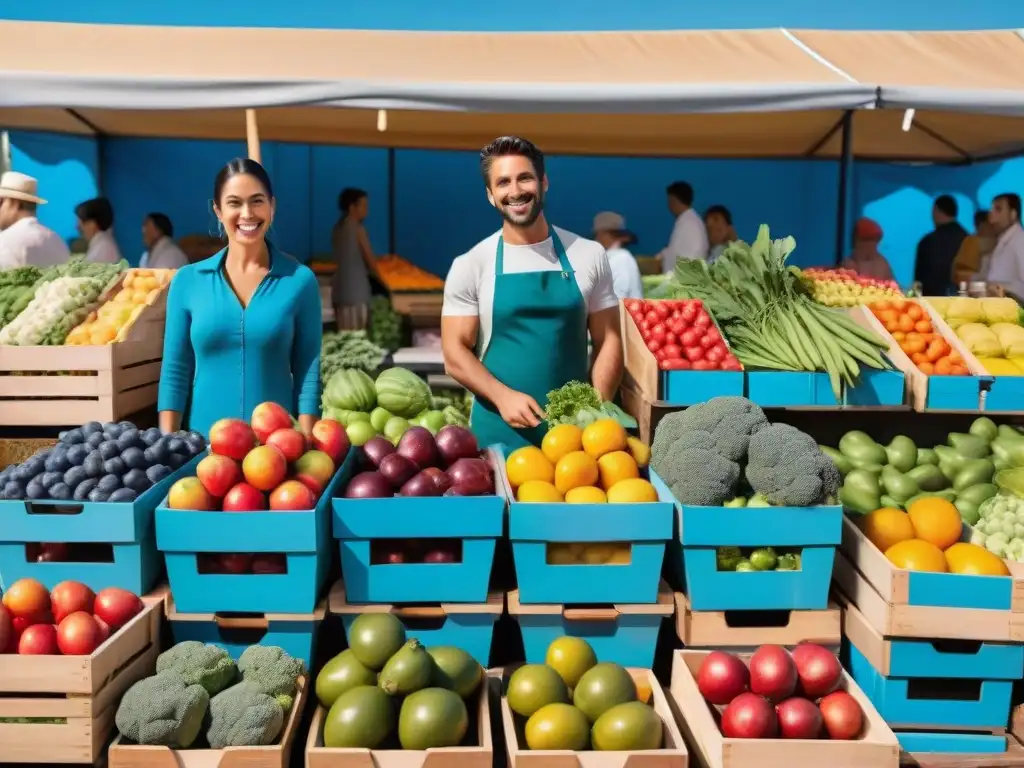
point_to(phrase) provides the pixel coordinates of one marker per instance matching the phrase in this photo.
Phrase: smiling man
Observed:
(518, 306)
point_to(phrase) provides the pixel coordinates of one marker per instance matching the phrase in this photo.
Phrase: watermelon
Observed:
(350, 389)
(402, 392)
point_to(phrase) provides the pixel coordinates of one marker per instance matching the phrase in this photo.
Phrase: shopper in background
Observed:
(972, 260)
(610, 231)
(243, 326)
(689, 237)
(718, 222)
(518, 306)
(23, 240)
(95, 222)
(354, 261)
(866, 260)
(161, 250)
(1006, 267)
(936, 252)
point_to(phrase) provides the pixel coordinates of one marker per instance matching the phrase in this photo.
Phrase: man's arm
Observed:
(607, 369)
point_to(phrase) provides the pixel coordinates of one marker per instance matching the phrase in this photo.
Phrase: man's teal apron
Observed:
(538, 343)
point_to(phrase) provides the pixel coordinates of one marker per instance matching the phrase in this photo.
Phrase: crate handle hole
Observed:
(242, 564)
(943, 689)
(74, 552)
(415, 551)
(241, 628)
(758, 559)
(37, 508)
(418, 623)
(589, 553)
(754, 619)
(961, 647)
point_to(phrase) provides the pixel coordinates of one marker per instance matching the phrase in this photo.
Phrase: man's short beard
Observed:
(536, 209)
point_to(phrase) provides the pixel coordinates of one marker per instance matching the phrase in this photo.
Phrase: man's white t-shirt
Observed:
(689, 241)
(469, 287)
(625, 274)
(1007, 264)
(103, 248)
(27, 243)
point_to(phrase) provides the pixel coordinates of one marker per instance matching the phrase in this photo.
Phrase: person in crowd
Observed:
(718, 222)
(23, 240)
(243, 326)
(610, 231)
(689, 237)
(95, 224)
(936, 252)
(972, 259)
(1006, 267)
(866, 260)
(354, 261)
(518, 306)
(161, 250)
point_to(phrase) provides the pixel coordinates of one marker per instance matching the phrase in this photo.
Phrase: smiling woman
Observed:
(243, 326)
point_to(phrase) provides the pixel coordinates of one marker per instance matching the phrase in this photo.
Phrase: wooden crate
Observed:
(711, 629)
(106, 383)
(673, 753)
(877, 747)
(84, 691)
(122, 755)
(479, 755)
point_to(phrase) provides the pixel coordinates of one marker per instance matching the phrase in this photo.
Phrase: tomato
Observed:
(658, 332)
(652, 317)
(694, 353)
(704, 365)
(662, 309)
(672, 351)
(632, 305)
(730, 364)
(645, 325)
(677, 326)
(702, 320)
(671, 338)
(712, 333)
(689, 338)
(637, 315)
(654, 345)
(716, 354)
(660, 354)
(674, 365)
(707, 341)
(689, 313)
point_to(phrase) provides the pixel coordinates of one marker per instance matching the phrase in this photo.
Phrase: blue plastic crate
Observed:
(788, 389)
(877, 387)
(955, 393)
(295, 634)
(127, 527)
(304, 537)
(623, 634)
(477, 521)
(692, 387)
(922, 742)
(701, 530)
(469, 627)
(1005, 394)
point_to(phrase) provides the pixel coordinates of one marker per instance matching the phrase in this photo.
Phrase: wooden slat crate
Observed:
(82, 692)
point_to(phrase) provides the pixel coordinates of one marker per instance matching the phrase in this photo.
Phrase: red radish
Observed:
(817, 670)
(798, 719)
(842, 715)
(772, 673)
(749, 717)
(722, 677)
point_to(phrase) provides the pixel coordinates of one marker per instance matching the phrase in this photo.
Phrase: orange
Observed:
(604, 436)
(533, 491)
(639, 450)
(575, 470)
(633, 490)
(887, 526)
(528, 463)
(615, 466)
(977, 561)
(936, 521)
(561, 440)
(917, 555)
(585, 494)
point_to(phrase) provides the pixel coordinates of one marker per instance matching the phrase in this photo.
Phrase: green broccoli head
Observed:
(788, 467)
(243, 716)
(729, 420)
(162, 711)
(694, 470)
(272, 671)
(195, 662)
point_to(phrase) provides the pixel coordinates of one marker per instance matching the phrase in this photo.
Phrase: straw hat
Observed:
(18, 186)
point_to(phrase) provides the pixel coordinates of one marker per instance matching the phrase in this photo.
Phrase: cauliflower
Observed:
(788, 467)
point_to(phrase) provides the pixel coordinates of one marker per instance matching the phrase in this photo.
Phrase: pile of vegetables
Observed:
(459, 399)
(769, 317)
(57, 307)
(681, 335)
(1000, 527)
(349, 349)
(397, 274)
(990, 328)
(385, 324)
(754, 559)
(714, 453)
(581, 404)
(200, 697)
(14, 284)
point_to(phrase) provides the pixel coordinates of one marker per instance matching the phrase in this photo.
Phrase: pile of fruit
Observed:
(911, 326)
(396, 401)
(100, 462)
(990, 328)
(776, 694)
(753, 559)
(846, 288)
(572, 702)
(70, 619)
(594, 465)
(348, 349)
(682, 335)
(589, 553)
(200, 698)
(397, 274)
(388, 692)
(114, 319)
(262, 464)
(422, 464)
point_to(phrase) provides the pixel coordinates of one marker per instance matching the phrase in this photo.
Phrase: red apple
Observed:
(292, 495)
(244, 498)
(190, 493)
(235, 562)
(218, 473)
(290, 442)
(70, 597)
(314, 469)
(27, 597)
(53, 553)
(329, 436)
(267, 418)
(39, 640)
(207, 563)
(116, 607)
(265, 468)
(79, 635)
(269, 563)
(842, 715)
(6, 629)
(104, 629)
(232, 438)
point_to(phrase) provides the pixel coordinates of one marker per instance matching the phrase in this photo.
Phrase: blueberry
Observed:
(84, 488)
(156, 454)
(50, 479)
(123, 496)
(60, 449)
(134, 458)
(93, 464)
(36, 465)
(151, 435)
(130, 438)
(75, 476)
(35, 490)
(176, 460)
(112, 430)
(114, 466)
(76, 454)
(98, 495)
(14, 490)
(91, 427)
(73, 437)
(57, 462)
(177, 445)
(95, 440)
(109, 483)
(196, 443)
(60, 492)
(158, 472)
(136, 480)
(126, 425)
(61, 435)
(23, 473)
(109, 449)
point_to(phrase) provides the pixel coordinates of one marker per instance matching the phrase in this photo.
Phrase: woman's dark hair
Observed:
(350, 196)
(980, 217)
(241, 166)
(162, 222)
(98, 210)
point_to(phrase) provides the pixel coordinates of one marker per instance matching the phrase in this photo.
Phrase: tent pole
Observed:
(845, 161)
(252, 135)
(392, 247)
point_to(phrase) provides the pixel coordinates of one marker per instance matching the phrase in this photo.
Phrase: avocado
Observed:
(558, 727)
(411, 669)
(361, 718)
(629, 727)
(374, 638)
(455, 670)
(432, 718)
(341, 674)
